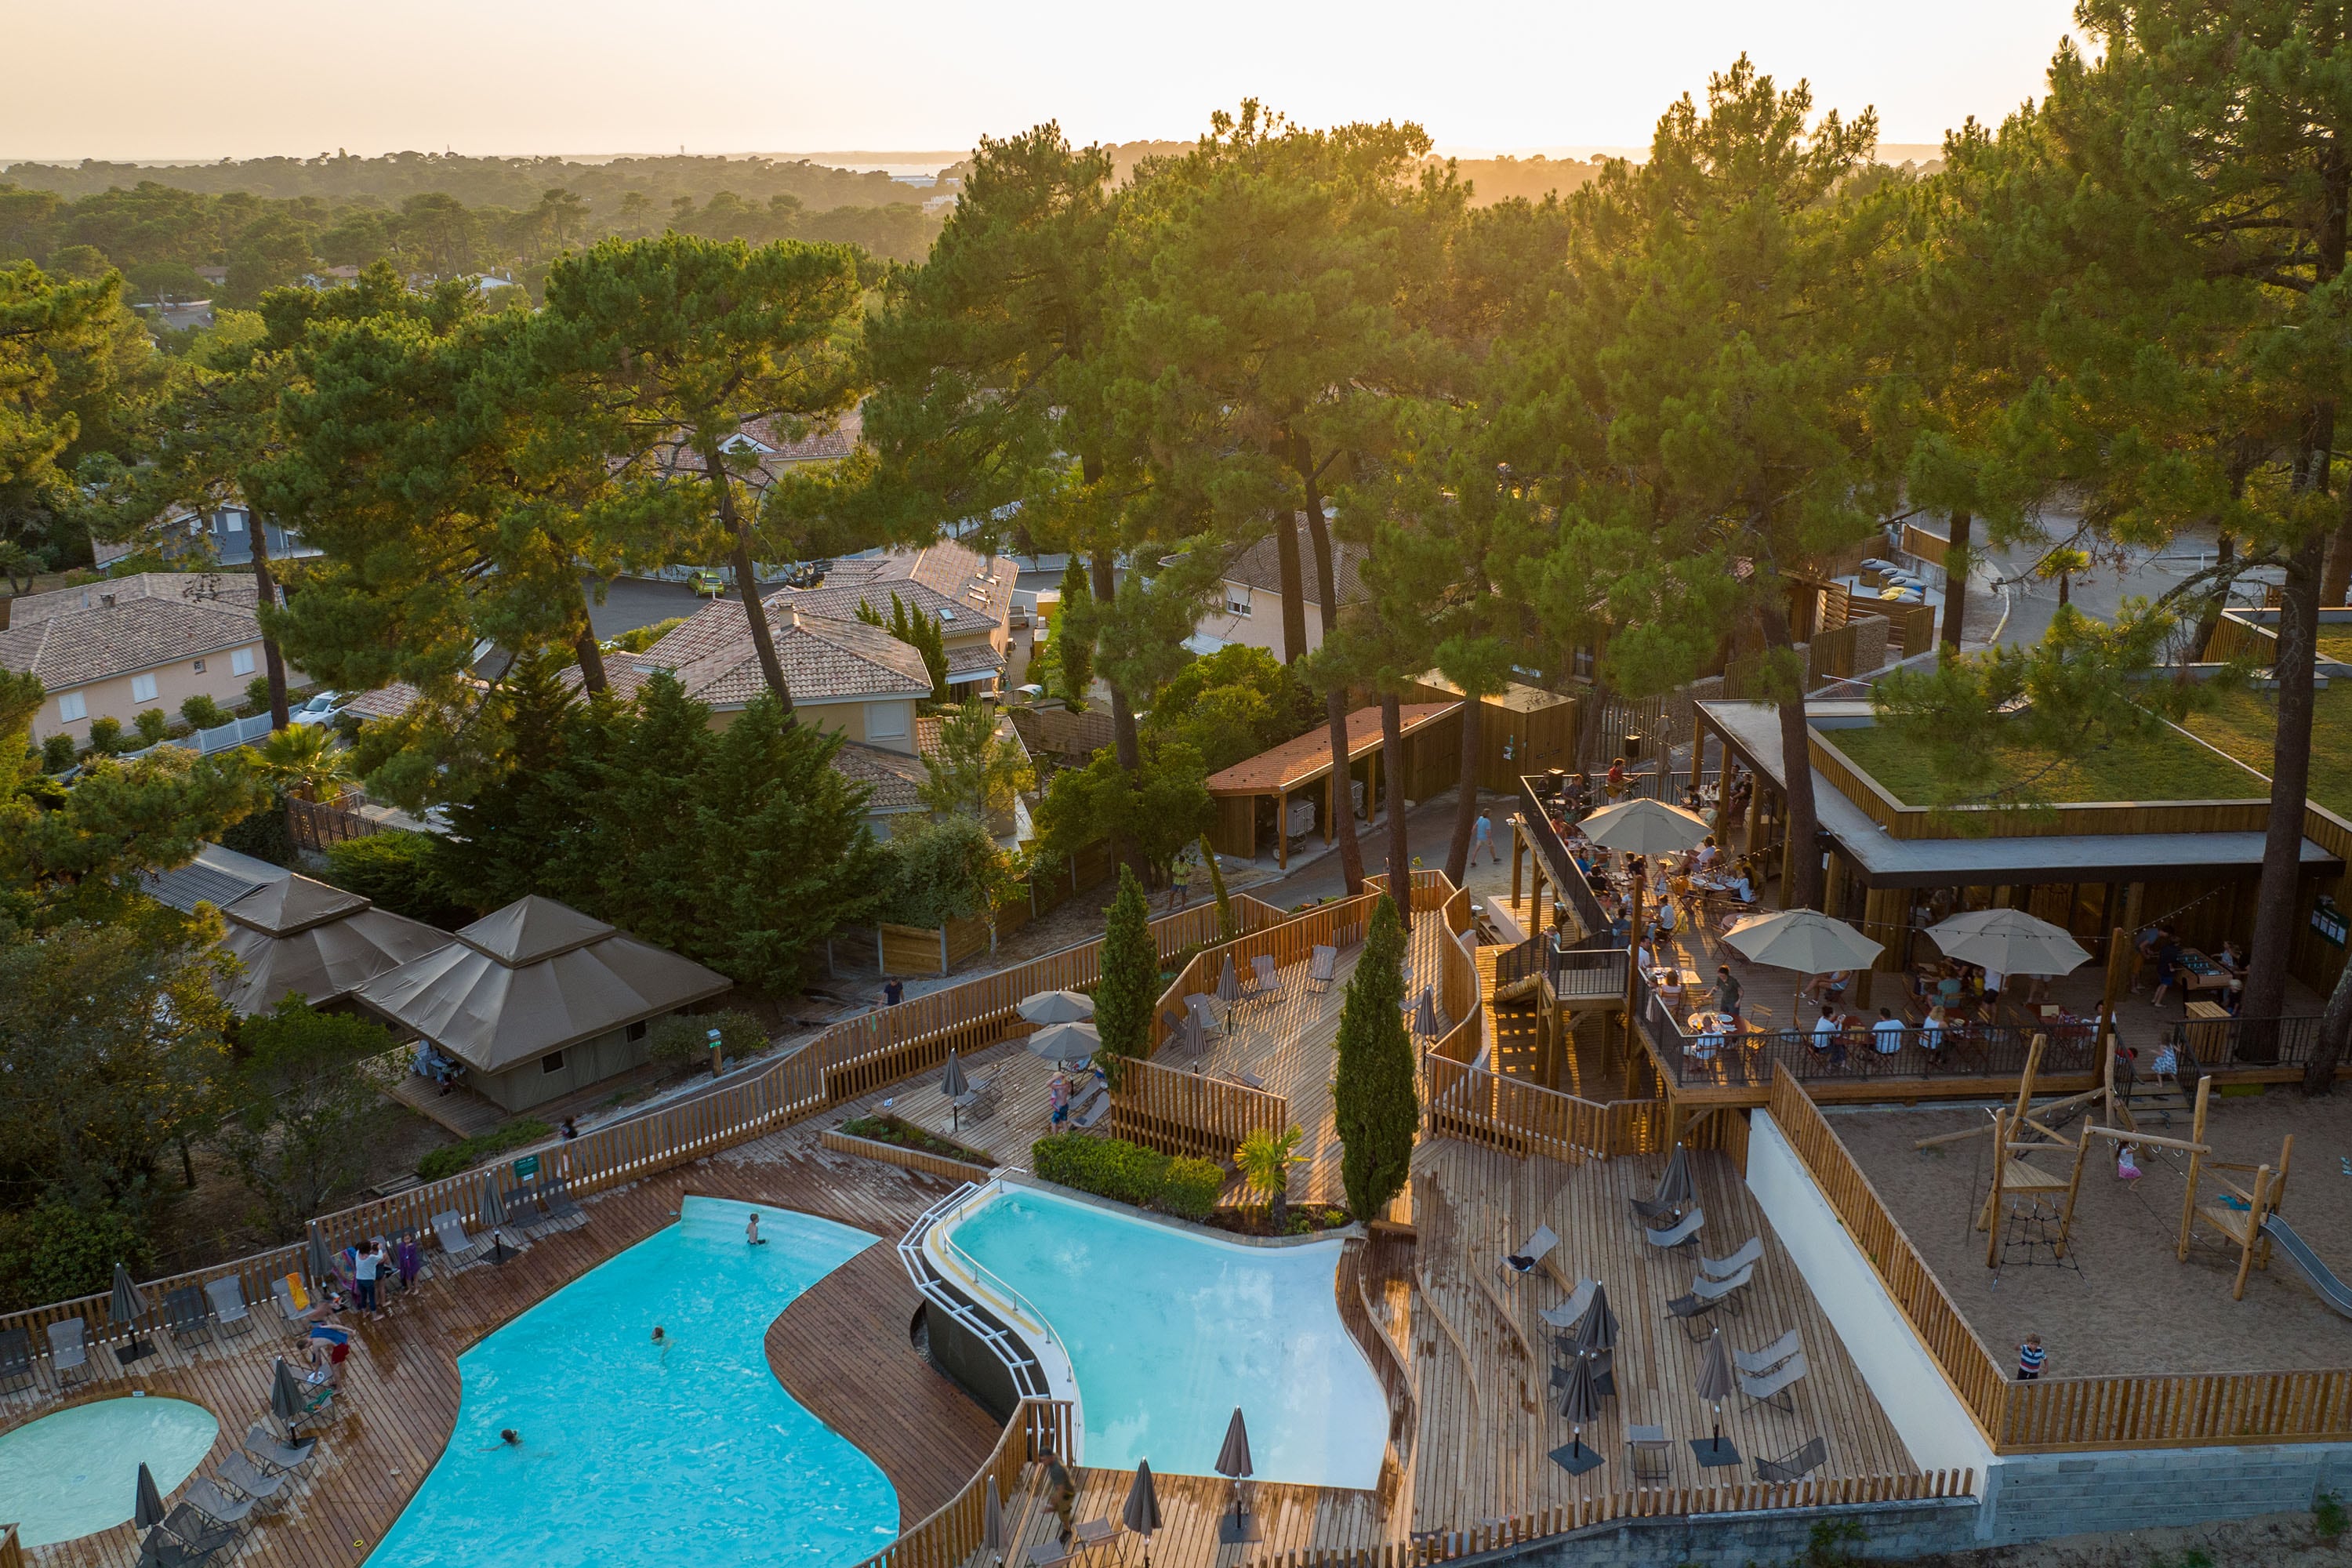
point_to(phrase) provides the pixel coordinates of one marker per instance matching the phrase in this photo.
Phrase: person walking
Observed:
(1482, 836)
(1727, 993)
(1061, 1493)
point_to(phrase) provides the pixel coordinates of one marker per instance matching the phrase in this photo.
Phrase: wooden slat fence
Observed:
(1667, 1502)
(911, 1159)
(1179, 1112)
(1466, 1101)
(1340, 924)
(953, 1533)
(313, 825)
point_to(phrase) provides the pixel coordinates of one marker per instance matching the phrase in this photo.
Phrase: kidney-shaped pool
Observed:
(75, 1472)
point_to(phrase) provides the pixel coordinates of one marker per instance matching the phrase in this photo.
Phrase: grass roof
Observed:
(2168, 766)
(2245, 723)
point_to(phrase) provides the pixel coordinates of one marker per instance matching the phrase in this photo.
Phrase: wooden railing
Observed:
(1469, 1102)
(1974, 1375)
(12, 1551)
(1665, 1502)
(952, 1533)
(1341, 925)
(1179, 1112)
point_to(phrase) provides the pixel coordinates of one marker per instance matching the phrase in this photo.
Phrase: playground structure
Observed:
(2244, 1222)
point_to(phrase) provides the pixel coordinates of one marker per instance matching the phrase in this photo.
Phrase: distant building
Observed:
(1251, 610)
(968, 594)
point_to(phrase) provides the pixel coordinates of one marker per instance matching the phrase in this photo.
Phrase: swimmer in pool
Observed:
(662, 1340)
(510, 1437)
(751, 1230)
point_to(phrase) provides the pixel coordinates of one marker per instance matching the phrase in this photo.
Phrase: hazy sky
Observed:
(146, 78)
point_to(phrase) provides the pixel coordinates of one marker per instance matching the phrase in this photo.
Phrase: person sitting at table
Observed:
(1662, 928)
(1886, 1035)
(2168, 963)
(1931, 1033)
(1949, 986)
(1704, 857)
(1709, 1038)
(1670, 986)
(1825, 1029)
(1743, 885)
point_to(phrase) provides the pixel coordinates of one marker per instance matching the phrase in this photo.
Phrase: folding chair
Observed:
(1775, 1388)
(1758, 1362)
(230, 1314)
(1269, 982)
(1685, 1230)
(1537, 1247)
(1571, 1312)
(1652, 1455)
(1794, 1466)
(1746, 1257)
(1322, 967)
(68, 1348)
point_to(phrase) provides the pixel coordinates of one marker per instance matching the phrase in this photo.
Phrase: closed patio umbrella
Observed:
(1803, 939)
(1233, 1462)
(1579, 1403)
(1424, 1014)
(1229, 982)
(1674, 1186)
(494, 1219)
(285, 1394)
(992, 1523)
(147, 1504)
(1647, 828)
(2009, 942)
(319, 1257)
(952, 1083)
(1065, 1044)
(1714, 1386)
(1057, 1008)
(1141, 1514)
(1597, 1329)
(126, 1306)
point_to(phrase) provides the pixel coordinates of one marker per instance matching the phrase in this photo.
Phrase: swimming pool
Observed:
(630, 1454)
(1168, 1330)
(75, 1472)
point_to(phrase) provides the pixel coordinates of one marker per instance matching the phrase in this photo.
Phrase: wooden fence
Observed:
(1463, 1101)
(313, 825)
(953, 1533)
(1923, 545)
(921, 1160)
(1339, 924)
(1179, 1112)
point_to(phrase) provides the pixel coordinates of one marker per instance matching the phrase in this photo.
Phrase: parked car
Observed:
(324, 707)
(707, 584)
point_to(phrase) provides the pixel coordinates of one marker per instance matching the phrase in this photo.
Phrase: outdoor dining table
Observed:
(1707, 1034)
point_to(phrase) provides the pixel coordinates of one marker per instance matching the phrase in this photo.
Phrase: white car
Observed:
(323, 708)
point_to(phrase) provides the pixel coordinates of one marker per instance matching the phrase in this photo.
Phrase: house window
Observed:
(636, 1031)
(1237, 599)
(886, 721)
(552, 1062)
(70, 707)
(240, 662)
(142, 688)
(233, 521)
(199, 666)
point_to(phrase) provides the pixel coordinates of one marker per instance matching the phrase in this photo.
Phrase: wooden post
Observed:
(2254, 1231)
(943, 949)
(1518, 847)
(1282, 828)
(1991, 1224)
(2196, 1164)
(2066, 1221)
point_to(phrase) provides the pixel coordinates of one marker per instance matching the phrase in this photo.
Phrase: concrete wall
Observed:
(1889, 1530)
(175, 684)
(967, 1362)
(2035, 1496)
(1262, 628)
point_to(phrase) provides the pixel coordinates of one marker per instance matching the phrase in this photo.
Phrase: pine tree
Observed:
(1131, 975)
(1377, 1108)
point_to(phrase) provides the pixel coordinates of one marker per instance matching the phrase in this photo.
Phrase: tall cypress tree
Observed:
(1130, 975)
(1377, 1108)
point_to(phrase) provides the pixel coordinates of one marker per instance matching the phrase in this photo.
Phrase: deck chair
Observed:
(1538, 1246)
(1321, 966)
(1724, 1289)
(69, 1348)
(16, 1359)
(216, 1505)
(1690, 1309)
(1685, 1230)
(230, 1314)
(1649, 1211)
(1794, 1466)
(460, 1249)
(979, 1107)
(1269, 982)
(239, 1471)
(1174, 1023)
(294, 1313)
(185, 1315)
(564, 1214)
(162, 1550)
(188, 1524)
(1092, 1104)
(1749, 1255)
(1758, 1362)
(1652, 1455)
(1775, 1388)
(283, 1458)
(1571, 1312)
(1203, 1008)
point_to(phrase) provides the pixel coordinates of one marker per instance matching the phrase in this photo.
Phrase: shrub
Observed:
(400, 871)
(263, 834)
(257, 694)
(2327, 1515)
(105, 735)
(938, 871)
(1191, 1187)
(152, 725)
(57, 1252)
(1128, 1173)
(56, 754)
(685, 1038)
(452, 1158)
(203, 713)
(639, 638)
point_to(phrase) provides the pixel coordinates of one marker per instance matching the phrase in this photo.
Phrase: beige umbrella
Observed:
(2009, 942)
(1803, 939)
(1647, 828)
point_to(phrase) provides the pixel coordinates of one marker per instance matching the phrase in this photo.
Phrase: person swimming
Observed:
(510, 1437)
(662, 1339)
(751, 1230)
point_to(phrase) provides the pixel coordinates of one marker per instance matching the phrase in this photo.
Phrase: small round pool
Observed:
(75, 1472)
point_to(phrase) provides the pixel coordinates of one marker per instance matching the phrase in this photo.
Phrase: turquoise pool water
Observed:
(76, 1471)
(1167, 1331)
(688, 1458)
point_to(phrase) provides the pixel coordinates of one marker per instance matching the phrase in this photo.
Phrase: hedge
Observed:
(452, 1158)
(1128, 1173)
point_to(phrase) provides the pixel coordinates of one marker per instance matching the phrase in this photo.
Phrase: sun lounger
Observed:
(1773, 1387)
(16, 1359)
(239, 1471)
(979, 1106)
(216, 1505)
(230, 1313)
(1649, 1211)
(1269, 984)
(185, 1315)
(1537, 1247)
(1725, 1267)
(1048, 1554)
(1796, 1466)
(1321, 966)
(1173, 1021)
(268, 1450)
(564, 1214)
(69, 1348)
(1684, 1230)
(1571, 1312)
(296, 1310)
(460, 1249)
(1722, 1290)
(1246, 1079)
(1690, 1309)
(1652, 1455)
(1203, 1008)
(1758, 1362)
(162, 1550)
(188, 1525)
(1092, 1104)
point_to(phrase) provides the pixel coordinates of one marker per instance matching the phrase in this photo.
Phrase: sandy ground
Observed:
(2267, 1540)
(2122, 1303)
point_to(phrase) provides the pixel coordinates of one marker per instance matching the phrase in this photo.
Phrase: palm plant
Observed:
(1265, 1158)
(304, 761)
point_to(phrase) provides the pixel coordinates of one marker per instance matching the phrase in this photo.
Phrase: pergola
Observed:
(1433, 745)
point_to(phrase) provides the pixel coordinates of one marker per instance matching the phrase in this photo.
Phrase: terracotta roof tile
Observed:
(68, 645)
(824, 660)
(895, 778)
(1260, 566)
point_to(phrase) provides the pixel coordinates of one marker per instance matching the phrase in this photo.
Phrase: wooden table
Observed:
(2209, 1031)
(2197, 972)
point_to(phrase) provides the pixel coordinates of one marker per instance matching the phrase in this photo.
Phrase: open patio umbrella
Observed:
(952, 1083)
(1803, 939)
(147, 1503)
(1647, 828)
(1597, 1329)
(2009, 942)
(992, 1524)
(1066, 1044)
(126, 1306)
(285, 1394)
(1675, 1187)
(1233, 1462)
(1714, 1386)
(1228, 982)
(1425, 1015)
(1141, 1514)
(1579, 1403)
(494, 1217)
(1057, 1007)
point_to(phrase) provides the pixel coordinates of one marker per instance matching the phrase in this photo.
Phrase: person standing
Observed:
(894, 991)
(1727, 993)
(365, 1262)
(1061, 1492)
(2031, 1358)
(1482, 836)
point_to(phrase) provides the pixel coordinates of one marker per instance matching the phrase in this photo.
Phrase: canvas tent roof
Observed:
(297, 935)
(532, 978)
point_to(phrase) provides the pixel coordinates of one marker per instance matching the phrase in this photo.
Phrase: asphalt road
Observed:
(629, 602)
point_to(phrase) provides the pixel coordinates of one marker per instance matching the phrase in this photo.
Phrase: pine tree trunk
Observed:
(1393, 772)
(2274, 900)
(1956, 579)
(747, 580)
(2225, 549)
(265, 587)
(1465, 799)
(1294, 590)
(2336, 581)
(2335, 1035)
(1800, 888)
(1335, 702)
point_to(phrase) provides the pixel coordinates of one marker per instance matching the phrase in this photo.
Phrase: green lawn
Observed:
(2168, 767)
(2336, 645)
(2245, 724)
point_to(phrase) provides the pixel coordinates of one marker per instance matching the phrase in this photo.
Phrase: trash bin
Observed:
(1632, 749)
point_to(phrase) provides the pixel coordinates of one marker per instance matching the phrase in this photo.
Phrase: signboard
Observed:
(2328, 922)
(526, 1168)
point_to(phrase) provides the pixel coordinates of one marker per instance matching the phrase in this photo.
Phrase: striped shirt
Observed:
(2030, 1359)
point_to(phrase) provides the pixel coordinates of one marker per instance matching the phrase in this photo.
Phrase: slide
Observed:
(2332, 1290)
